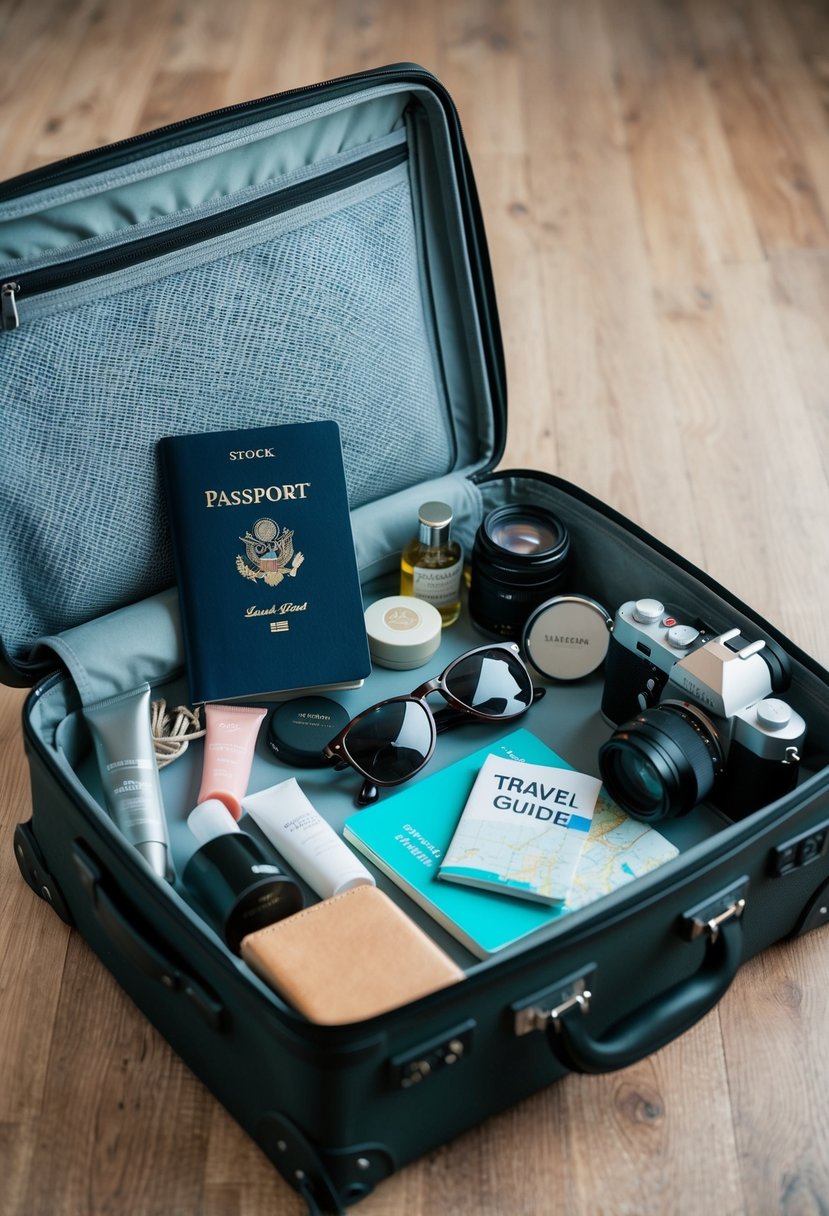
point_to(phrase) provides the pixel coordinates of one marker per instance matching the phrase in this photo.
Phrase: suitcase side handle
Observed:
(123, 933)
(661, 1019)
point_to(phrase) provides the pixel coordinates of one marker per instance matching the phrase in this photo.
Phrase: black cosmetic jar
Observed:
(519, 559)
(240, 887)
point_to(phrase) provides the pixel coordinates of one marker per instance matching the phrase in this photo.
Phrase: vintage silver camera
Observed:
(716, 732)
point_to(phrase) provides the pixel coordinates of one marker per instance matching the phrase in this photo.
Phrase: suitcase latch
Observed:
(414, 1066)
(549, 1006)
(708, 917)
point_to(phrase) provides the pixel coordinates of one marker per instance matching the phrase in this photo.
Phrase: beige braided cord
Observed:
(173, 730)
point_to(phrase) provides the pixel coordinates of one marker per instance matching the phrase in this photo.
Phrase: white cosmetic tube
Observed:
(307, 842)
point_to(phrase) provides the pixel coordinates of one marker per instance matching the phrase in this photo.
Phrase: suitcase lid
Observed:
(317, 253)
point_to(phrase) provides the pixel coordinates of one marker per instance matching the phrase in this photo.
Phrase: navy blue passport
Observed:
(268, 585)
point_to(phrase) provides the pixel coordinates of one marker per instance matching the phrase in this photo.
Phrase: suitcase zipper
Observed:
(9, 317)
(145, 249)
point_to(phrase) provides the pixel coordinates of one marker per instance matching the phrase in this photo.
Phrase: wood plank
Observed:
(481, 48)
(124, 1125)
(774, 1027)
(810, 28)
(757, 461)
(614, 412)
(239, 1179)
(363, 34)
(97, 105)
(801, 284)
(696, 214)
(181, 93)
(36, 38)
(16, 1148)
(651, 1114)
(30, 961)
(787, 69)
(274, 51)
(769, 152)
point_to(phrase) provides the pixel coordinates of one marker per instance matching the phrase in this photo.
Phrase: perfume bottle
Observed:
(431, 564)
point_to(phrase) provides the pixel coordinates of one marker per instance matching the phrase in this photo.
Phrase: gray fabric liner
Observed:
(63, 299)
(307, 135)
(207, 210)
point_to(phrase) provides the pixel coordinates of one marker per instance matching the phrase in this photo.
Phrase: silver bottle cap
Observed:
(435, 518)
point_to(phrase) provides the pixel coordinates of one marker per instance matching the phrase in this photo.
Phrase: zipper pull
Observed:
(9, 318)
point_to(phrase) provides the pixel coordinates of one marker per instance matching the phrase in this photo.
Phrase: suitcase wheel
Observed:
(34, 870)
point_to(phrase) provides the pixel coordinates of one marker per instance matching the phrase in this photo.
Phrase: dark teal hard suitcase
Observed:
(321, 254)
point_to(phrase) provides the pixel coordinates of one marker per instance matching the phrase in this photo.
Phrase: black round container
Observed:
(519, 559)
(300, 728)
(240, 888)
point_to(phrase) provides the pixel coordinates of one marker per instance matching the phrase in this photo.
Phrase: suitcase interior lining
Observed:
(611, 565)
(103, 368)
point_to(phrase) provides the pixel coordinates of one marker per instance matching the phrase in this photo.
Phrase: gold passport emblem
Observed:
(271, 553)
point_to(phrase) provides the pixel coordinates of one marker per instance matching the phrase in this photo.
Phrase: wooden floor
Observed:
(655, 180)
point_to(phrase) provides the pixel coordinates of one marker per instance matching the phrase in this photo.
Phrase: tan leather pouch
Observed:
(349, 958)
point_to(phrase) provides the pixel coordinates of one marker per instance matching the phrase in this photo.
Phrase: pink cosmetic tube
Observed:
(228, 753)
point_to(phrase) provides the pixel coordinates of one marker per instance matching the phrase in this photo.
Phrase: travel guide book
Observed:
(522, 830)
(268, 585)
(407, 837)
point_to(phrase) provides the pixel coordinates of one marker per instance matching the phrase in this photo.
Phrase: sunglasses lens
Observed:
(391, 742)
(493, 682)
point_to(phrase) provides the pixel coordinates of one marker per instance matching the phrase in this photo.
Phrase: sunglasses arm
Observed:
(369, 792)
(368, 795)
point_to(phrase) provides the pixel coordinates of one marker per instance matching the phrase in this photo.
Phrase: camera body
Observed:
(715, 731)
(647, 640)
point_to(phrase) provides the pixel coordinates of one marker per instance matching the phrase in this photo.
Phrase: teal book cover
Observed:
(408, 835)
(269, 590)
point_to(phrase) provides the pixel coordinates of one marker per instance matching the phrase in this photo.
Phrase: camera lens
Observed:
(663, 762)
(519, 559)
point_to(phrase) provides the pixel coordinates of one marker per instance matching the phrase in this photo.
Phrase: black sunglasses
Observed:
(391, 741)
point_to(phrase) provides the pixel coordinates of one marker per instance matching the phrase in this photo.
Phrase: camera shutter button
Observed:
(647, 612)
(682, 636)
(773, 714)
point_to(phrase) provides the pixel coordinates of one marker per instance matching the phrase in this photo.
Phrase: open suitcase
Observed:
(311, 255)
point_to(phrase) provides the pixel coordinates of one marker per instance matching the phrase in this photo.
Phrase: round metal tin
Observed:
(566, 637)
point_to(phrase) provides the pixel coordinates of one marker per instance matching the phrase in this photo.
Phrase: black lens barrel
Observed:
(681, 746)
(519, 559)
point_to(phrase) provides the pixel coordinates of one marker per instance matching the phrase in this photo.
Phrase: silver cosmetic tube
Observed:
(123, 739)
